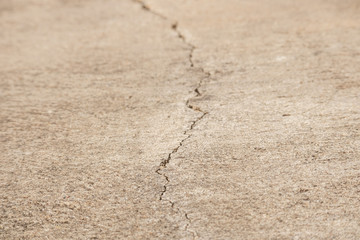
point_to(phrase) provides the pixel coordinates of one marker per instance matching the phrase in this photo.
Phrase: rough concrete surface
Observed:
(159, 119)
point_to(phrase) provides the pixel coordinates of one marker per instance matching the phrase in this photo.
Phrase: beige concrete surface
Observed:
(162, 119)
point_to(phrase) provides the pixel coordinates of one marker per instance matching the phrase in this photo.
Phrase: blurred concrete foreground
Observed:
(187, 119)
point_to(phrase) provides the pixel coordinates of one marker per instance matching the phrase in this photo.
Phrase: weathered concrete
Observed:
(180, 119)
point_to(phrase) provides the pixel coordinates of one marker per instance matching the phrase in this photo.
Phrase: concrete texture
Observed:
(182, 119)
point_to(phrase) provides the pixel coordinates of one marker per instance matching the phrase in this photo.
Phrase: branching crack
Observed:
(187, 132)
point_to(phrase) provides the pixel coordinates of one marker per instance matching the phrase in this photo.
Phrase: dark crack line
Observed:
(147, 8)
(175, 27)
(197, 93)
(166, 161)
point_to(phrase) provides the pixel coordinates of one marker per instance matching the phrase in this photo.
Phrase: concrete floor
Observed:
(159, 119)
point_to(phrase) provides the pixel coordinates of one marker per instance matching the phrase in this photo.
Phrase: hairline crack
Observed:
(207, 75)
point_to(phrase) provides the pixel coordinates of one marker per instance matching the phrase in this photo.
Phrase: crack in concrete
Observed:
(174, 26)
(165, 162)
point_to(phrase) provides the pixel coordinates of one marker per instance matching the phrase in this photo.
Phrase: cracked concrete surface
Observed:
(187, 134)
(164, 119)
